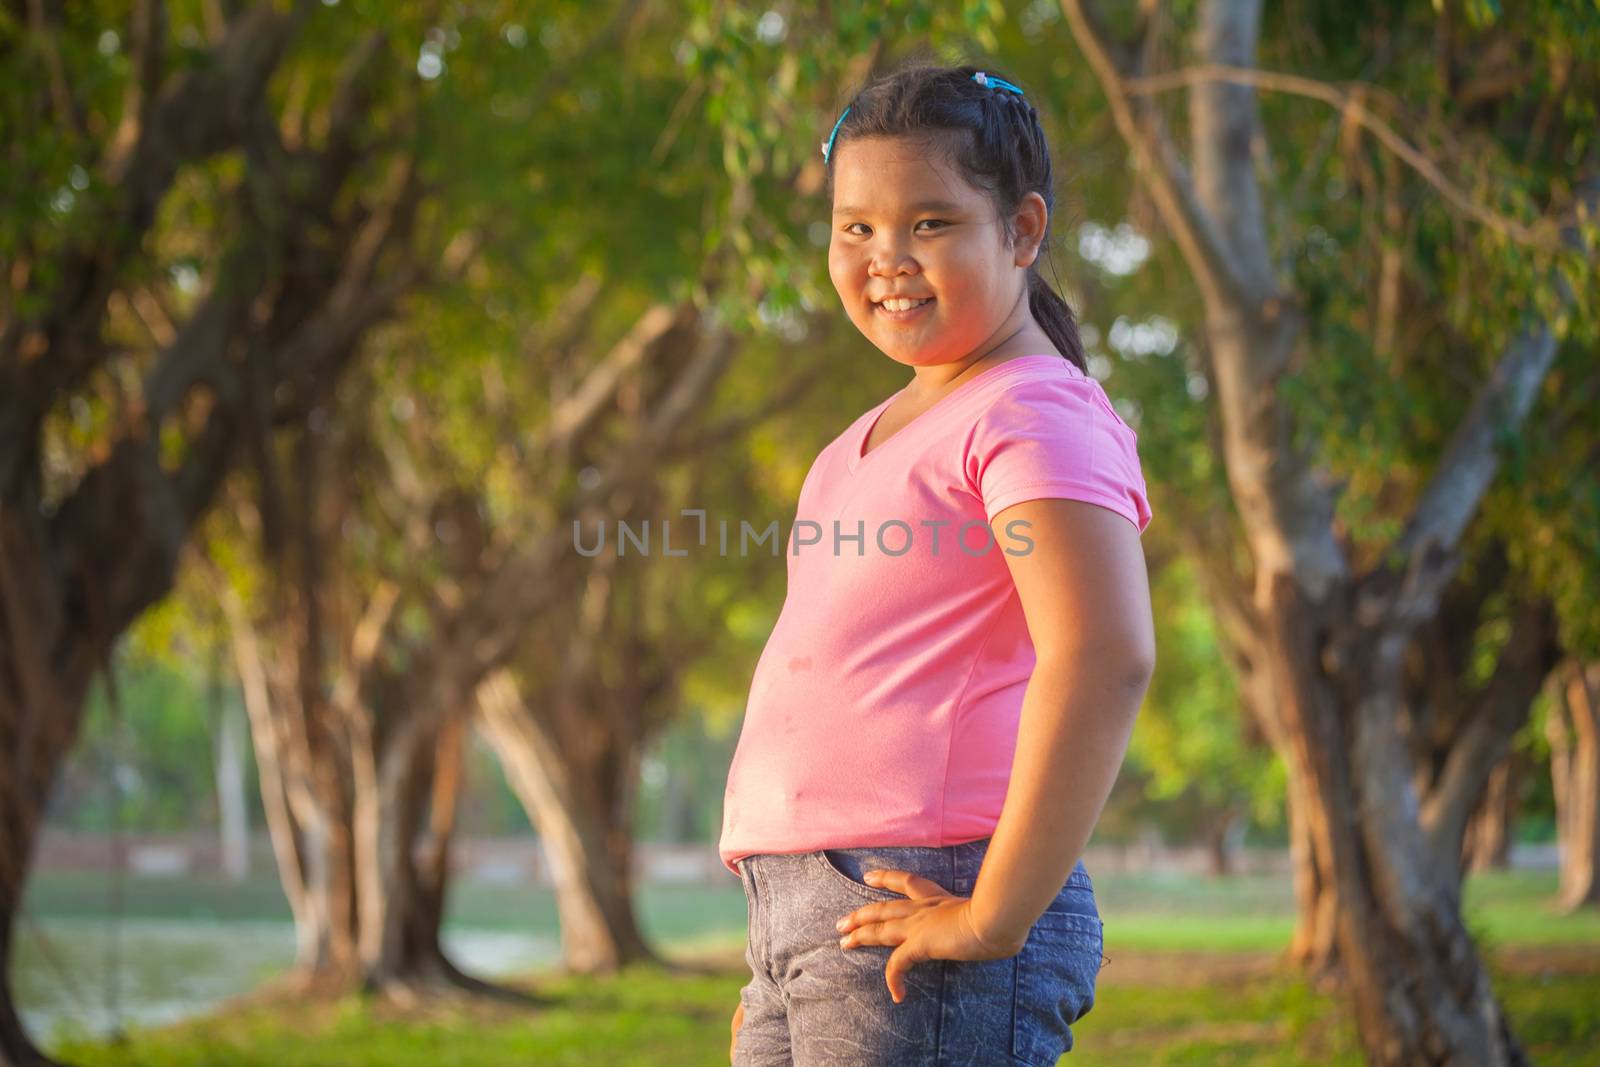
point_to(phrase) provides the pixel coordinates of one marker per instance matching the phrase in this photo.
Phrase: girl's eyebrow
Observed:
(925, 205)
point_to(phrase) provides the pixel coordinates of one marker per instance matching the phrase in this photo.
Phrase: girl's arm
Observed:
(1086, 598)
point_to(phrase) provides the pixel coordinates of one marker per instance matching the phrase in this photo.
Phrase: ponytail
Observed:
(1056, 319)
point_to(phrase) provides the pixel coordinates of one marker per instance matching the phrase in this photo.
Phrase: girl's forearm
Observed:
(1077, 715)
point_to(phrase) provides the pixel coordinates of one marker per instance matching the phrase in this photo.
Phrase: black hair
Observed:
(997, 145)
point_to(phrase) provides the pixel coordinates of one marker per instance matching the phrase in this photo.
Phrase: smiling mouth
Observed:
(898, 316)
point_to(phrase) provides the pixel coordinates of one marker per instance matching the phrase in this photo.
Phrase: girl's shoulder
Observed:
(1048, 391)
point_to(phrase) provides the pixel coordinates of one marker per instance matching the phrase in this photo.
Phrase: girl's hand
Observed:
(930, 925)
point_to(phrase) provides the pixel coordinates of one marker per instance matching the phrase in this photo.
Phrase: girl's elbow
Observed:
(1137, 676)
(1140, 668)
(1132, 665)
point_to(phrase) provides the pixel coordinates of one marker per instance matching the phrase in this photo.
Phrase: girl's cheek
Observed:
(845, 279)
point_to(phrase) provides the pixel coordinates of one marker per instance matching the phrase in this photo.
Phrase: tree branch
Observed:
(1350, 102)
(1171, 188)
(583, 405)
(1225, 123)
(730, 429)
(1426, 548)
(1497, 714)
(204, 110)
(45, 22)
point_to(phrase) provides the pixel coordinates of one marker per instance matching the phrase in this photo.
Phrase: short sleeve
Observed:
(1056, 437)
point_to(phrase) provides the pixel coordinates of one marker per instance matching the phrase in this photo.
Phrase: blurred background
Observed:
(330, 330)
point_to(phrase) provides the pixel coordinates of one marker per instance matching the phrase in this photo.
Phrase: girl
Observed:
(937, 718)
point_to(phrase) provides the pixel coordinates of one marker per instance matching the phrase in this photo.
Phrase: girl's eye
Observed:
(847, 229)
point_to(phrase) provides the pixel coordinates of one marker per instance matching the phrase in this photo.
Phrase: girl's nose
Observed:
(889, 264)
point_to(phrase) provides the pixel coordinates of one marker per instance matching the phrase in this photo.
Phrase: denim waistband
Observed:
(954, 866)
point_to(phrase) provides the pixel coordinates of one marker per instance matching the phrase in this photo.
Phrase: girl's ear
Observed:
(1031, 218)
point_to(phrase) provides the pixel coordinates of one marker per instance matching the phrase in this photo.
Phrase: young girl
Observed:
(946, 697)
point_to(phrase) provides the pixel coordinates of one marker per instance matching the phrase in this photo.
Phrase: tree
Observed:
(417, 538)
(1332, 618)
(188, 259)
(577, 664)
(1573, 727)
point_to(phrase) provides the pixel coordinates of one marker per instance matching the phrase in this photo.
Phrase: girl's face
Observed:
(905, 224)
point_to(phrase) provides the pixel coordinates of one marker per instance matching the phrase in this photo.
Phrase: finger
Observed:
(888, 929)
(894, 971)
(867, 914)
(912, 885)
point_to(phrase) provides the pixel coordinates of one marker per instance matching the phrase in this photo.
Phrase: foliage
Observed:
(155, 769)
(1191, 733)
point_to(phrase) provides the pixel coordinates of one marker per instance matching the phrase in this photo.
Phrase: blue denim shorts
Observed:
(810, 1002)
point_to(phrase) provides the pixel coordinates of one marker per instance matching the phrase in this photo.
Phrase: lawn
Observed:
(1192, 979)
(1163, 1010)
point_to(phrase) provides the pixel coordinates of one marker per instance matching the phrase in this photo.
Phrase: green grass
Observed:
(1221, 1002)
(1252, 914)
(647, 1016)
(643, 1016)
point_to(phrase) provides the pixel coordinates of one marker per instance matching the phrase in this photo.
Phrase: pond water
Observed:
(90, 976)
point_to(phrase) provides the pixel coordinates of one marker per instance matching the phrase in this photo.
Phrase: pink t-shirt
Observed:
(884, 707)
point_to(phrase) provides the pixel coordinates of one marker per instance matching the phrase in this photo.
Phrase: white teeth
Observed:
(901, 305)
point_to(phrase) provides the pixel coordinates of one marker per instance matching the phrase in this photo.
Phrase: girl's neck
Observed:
(930, 382)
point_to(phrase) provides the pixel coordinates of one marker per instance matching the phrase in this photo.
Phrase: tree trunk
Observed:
(307, 821)
(17, 829)
(1314, 946)
(586, 842)
(232, 802)
(1208, 538)
(1420, 991)
(16, 1048)
(1574, 731)
(419, 779)
(80, 562)
(1220, 842)
(42, 690)
(1487, 846)
(1334, 636)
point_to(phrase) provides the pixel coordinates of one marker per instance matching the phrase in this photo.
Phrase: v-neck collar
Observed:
(853, 457)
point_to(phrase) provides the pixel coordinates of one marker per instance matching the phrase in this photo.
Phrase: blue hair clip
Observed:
(827, 147)
(995, 83)
(982, 78)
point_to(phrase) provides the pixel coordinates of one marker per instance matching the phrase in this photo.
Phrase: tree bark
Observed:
(1574, 732)
(1419, 989)
(16, 1047)
(1488, 839)
(232, 800)
(1220, 842)
(348, 821)
(419, 780)
(308, 809)
(1314, 945)
(586, 839)
(41, 710)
